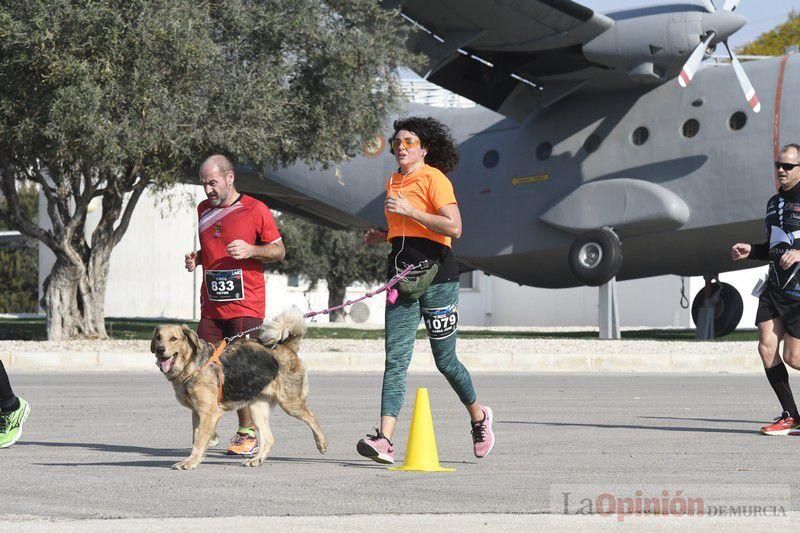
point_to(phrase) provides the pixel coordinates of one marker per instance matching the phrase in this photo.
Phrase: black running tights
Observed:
(6, 394)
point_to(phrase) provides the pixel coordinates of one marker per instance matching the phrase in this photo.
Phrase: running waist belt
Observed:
(418, 280)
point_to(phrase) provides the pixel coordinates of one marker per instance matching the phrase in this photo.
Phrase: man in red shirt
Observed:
(237, 236)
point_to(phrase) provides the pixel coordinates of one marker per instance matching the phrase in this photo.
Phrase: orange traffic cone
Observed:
(421, 452)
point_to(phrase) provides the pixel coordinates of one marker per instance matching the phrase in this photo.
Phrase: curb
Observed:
(523, 521)
(422, 362)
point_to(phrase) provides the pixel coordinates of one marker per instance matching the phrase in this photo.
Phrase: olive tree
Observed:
(105, 99)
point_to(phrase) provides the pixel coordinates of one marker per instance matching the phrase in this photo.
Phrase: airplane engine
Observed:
(596, 256)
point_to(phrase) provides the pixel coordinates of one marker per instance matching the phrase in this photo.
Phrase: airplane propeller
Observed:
(687, 73)
(744, 81)
(730, 5)
(722, 24)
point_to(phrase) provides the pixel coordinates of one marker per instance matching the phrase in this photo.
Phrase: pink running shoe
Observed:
(482, 434)
(377, 447)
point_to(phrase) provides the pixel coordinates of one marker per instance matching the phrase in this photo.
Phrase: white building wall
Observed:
(650, 302)
(475, 305)
(653, 302)
(146, 275)
(281, 296)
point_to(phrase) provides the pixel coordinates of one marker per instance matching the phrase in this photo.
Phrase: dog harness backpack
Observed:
(214, 360)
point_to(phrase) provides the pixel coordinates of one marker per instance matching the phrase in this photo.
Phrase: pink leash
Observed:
(391, 297)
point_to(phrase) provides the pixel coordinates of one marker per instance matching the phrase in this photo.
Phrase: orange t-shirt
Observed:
(427, 189)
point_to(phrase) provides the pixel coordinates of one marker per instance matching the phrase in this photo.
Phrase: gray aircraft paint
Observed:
(695, 197)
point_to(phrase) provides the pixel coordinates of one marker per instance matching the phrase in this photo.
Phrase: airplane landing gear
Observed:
(596, 256)
(728, 307)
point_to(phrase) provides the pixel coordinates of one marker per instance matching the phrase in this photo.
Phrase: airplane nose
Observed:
(723, 23)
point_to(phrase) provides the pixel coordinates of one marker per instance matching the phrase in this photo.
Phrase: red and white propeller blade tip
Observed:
(744, 82)
(690, 67)
(730, 5)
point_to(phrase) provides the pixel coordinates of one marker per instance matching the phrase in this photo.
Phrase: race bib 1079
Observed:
(441, 322)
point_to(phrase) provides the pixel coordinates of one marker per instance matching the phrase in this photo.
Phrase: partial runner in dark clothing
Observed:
(782, 223)
(778, 315)
(13, 411)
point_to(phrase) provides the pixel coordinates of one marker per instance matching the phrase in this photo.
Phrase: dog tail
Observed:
(287, 328)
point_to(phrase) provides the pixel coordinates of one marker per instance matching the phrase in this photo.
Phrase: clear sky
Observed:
(762, 15)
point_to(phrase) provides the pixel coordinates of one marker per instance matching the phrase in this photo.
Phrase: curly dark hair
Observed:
(434, 137)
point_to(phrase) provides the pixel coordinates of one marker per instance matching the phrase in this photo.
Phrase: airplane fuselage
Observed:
(708, 182)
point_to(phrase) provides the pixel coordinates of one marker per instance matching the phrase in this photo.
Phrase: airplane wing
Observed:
(496, 52)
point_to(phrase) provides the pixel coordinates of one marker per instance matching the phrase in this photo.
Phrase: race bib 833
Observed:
(224, 285)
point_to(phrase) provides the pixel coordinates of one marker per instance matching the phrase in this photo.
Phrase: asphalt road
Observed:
(101, 446)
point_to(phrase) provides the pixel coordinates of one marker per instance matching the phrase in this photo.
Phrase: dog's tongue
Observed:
(166, 364)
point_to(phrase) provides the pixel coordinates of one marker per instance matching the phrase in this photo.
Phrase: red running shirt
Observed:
(233, 288)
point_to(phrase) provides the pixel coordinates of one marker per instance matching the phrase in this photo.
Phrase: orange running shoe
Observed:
(244, 442)
(783, 425)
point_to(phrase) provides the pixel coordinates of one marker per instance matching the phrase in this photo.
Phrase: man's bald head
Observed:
(218, 162)
(216, 177)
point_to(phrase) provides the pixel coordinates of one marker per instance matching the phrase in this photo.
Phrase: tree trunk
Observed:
(74, 292)
(74, 298)
(94, 295)
(336, 294)
(60, 300)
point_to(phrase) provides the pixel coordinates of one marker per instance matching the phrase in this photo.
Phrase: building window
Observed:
(293, 280)
(592, 143)
(737, 121)
(491, 158)
(466, 280)
(691, 128)
(640, 136)
(543, 151)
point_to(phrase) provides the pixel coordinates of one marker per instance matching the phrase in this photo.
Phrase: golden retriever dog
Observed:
(256, 373)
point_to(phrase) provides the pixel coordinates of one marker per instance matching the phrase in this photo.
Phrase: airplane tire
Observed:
(728, 312)
(595, 256)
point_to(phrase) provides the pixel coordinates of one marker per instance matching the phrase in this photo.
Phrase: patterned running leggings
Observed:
(402, 320)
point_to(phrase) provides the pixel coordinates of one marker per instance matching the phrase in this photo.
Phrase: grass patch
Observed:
(33, 329)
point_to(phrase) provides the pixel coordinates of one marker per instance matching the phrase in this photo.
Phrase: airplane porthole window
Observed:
(543, 151)
(691, 128)
(592, 143)
(737, 121)
(640, 135)
(491, 158)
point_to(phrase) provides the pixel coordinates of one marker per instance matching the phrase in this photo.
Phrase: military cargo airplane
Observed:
(586, 158)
